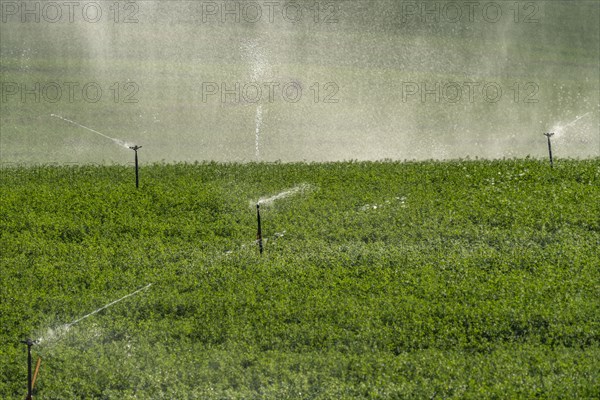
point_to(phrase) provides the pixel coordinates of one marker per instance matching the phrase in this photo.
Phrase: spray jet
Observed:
(549, 135)
(137, 177)
(116, 141)
(259, 231)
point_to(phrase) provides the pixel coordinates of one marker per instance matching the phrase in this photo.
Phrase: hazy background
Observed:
(361, 55)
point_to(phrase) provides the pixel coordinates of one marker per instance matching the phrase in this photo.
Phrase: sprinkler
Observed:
(549, 135)
(259, 232)
(137, 177)
(29, 343)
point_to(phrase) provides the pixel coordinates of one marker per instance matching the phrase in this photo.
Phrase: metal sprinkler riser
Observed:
(29, 343)
(259, 231)
(137, 176)
(549, 135)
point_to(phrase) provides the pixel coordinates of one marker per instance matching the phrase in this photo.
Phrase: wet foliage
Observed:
(461, 279)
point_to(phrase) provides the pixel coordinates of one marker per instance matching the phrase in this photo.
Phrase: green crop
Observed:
(462, 279)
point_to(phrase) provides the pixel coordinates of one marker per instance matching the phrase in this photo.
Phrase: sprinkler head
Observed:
(549, 135)
(29, 342)
(135, 148)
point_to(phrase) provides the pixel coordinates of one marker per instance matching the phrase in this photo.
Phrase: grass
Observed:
(462, 279)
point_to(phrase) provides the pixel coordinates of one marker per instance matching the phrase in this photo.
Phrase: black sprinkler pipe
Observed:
(549, 135)
(259, 232)
(29, 343)
(137, 176)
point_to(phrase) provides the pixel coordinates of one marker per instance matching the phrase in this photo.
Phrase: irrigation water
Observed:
(273, 238)
(55, 334)
(400, 200)
(559, 129)
(117, 141)
(258, 123)
(254, 55)
(373, 88)
(270, 200)
(267, 201)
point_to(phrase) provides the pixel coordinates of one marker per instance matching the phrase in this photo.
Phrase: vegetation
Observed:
(464, 279)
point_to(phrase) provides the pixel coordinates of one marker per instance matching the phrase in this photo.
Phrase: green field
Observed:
(462, 279)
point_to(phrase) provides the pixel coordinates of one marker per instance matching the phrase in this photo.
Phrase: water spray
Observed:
(286, 193)
(106, 306)
(29, 343)
(258, 122)
(137, 177)
(56, 334)
(577, 118)
(549, 135)
(259, 232)
(117, 141)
